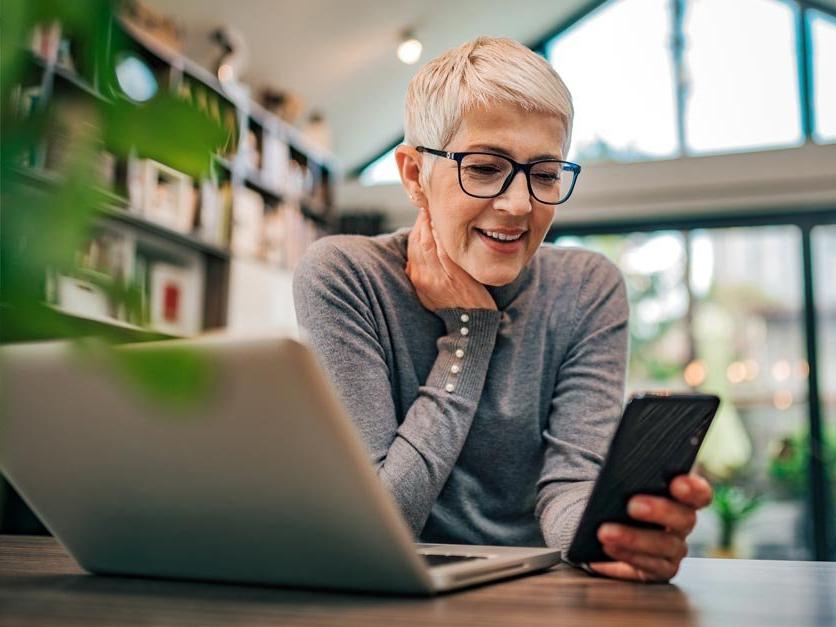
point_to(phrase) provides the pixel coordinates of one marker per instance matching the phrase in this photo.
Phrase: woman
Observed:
(485, 372)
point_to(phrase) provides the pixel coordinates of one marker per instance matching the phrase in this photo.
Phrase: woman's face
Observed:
(460, 220)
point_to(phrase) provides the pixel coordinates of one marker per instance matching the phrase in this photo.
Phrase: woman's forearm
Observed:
(427, 443)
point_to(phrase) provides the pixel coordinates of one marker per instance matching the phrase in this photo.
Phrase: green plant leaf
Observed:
(180, 378)
(164, 129)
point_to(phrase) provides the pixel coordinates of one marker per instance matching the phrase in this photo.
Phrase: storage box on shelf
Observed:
(164, 239)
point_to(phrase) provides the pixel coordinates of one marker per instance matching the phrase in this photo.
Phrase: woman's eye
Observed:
(483, 169)
(545, 177)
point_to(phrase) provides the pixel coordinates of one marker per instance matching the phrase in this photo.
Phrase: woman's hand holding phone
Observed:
(651, 554)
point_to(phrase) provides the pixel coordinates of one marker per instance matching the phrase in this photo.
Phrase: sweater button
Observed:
(449, 387)
(465, 318)
(459, 353)
(455, 369)
(464, 331)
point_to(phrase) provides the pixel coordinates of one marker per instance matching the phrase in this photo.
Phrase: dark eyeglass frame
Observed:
(515, 167)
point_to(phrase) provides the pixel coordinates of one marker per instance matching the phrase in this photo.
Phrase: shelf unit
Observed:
(271, 190)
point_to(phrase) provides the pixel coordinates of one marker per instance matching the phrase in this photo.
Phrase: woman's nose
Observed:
(516, 199)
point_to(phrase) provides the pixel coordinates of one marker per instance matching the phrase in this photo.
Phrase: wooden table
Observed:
(41, 585)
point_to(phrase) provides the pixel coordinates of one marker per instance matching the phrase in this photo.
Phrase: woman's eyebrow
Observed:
(501, 151)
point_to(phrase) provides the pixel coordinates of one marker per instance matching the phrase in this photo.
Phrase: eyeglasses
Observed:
(488, 175)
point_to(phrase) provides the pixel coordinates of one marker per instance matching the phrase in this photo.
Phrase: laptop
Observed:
(257, 475)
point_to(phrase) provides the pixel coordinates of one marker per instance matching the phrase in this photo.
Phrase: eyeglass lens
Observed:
(484, 175)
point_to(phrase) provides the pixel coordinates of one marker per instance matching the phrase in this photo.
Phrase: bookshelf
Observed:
(176, 239)
(213, 250)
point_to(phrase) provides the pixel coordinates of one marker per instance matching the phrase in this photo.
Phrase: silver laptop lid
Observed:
(258, 477)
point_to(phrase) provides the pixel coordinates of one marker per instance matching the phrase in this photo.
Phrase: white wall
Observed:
(260, 299)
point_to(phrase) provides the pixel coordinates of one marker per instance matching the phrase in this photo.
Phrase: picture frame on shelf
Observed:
(174, 304)
(163, 195)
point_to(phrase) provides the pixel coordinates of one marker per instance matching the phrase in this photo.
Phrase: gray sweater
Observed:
(488, 427)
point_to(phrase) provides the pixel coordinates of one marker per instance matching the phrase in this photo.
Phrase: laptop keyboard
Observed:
(443, 560)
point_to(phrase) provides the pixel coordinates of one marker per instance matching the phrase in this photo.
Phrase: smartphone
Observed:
(657, 439)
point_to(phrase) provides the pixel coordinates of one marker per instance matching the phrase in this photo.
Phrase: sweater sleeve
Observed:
(586, 404)
(414, 458)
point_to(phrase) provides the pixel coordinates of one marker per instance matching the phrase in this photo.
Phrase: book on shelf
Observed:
(275, 161)
(98, 284)
(247, 220)
(213, 214)
(250, 154)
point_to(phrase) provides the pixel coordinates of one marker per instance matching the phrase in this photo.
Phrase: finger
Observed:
(450, 267)
(652, 568)
(427, 241)
(430, 248)
(670, 514)
(417, 251)
(412, 238)
(692, 490)
(651, 542)
(618, 570)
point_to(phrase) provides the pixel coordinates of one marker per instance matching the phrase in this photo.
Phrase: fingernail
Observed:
(638, 508)
(684, 489)
(609, 532)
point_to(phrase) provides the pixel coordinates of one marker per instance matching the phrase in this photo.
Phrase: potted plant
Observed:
(732, 505)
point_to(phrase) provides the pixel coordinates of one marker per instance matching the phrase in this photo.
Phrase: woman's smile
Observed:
(507, 247)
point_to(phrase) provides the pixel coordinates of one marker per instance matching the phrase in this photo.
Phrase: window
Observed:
(823, 35)
(720, 310)
(742, 72)
(739, 71)
(617, 65)
(382, 171)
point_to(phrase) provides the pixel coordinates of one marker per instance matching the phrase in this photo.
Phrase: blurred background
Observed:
(166, 163)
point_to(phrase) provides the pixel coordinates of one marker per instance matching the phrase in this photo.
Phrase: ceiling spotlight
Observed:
(409, 50)
(226, 73)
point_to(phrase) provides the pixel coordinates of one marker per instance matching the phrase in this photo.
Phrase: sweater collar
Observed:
(502, 295)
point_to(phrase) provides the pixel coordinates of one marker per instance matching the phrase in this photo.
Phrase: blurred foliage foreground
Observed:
(42, 226)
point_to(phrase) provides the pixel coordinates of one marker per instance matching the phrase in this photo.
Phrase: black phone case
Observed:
(657, 439)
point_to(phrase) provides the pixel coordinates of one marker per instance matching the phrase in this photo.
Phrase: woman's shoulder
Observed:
(342, 254)
(574, 262)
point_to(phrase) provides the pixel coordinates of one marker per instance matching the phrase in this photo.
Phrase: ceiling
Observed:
(339, 56)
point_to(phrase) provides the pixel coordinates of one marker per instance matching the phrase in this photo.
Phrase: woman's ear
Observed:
(409, 163)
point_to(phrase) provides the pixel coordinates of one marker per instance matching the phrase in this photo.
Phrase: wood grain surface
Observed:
(40, 584)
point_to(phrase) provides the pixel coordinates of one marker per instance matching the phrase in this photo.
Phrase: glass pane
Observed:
(720, 310)
(382, 171)
(617, 64)
(824, 260)
(743, 76)
(823, 34)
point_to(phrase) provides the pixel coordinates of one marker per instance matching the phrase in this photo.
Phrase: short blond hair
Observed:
(485, 71)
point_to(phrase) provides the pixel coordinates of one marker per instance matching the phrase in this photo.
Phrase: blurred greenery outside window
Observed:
(720, 310)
